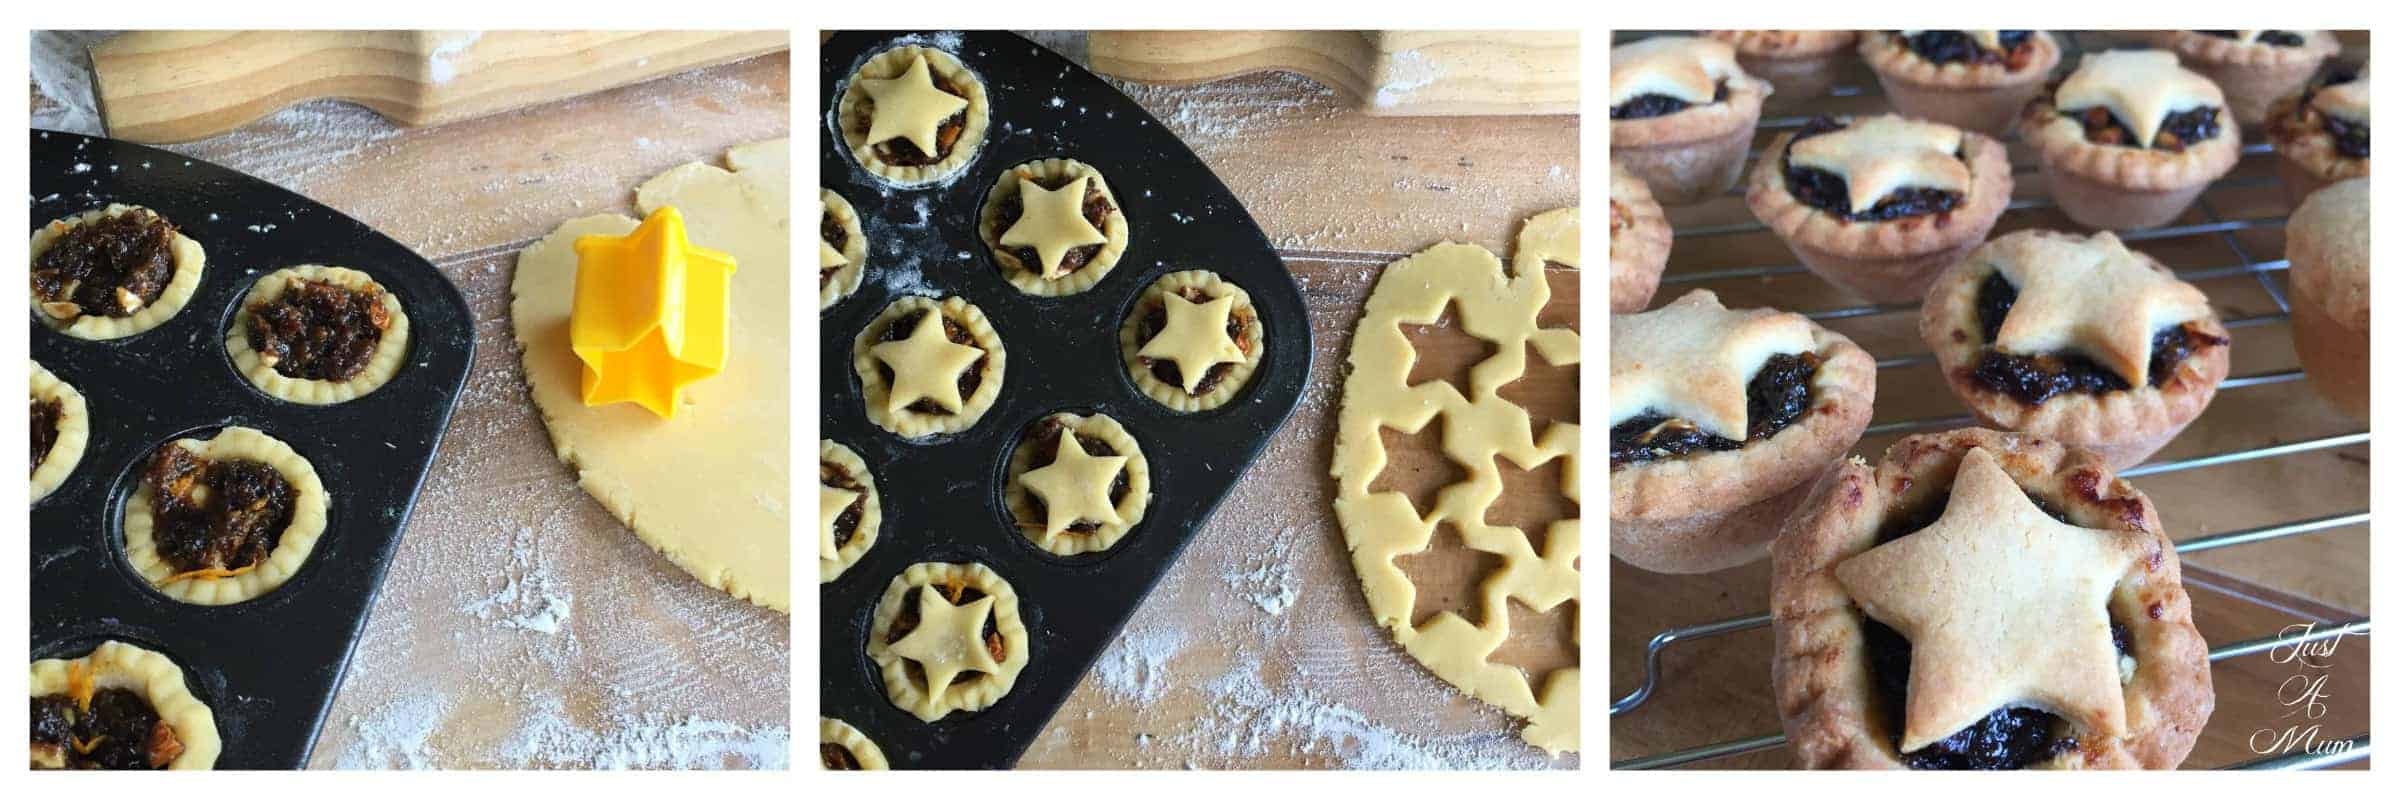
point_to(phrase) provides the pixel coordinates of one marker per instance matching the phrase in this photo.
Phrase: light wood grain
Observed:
(1402, 73)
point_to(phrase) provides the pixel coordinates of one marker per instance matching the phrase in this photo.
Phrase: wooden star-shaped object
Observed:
(1053, 223)
(925, 366)
(1074, 486)
(1194, 338)
(831, 502)
(2004, 607)
(910, 107)
(1881, 155)
(1693, 359)
(2140, 86)
(2094, 296)
(948, 640)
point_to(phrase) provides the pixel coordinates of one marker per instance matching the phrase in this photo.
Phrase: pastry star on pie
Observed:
(928, 367)
(912, 115)
(948, 640)
(1195, 338)
(1680, 115)
(2131, 138)
(1881, 155)
(925, 366)
(910, 107)
(937, 622)
(2003, 605)
(2142, 88)
(831, 501)
(1693, 357)
(1053, 223)
(2099, 298)
(1879, 205)
(1075, 487)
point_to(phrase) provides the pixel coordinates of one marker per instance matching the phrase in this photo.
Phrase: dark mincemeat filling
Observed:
(2036, 378)
(2350, 139)
(1236, 325)
(958, 594)
(1831, 193)
(2008, 738)
(901, 152)
(232, 525)
(1956, 47)
(119, 731)
(45, 428)
(2276, 38)
(968, 379)
(845, 526)
(1780, 394)
(2179, 130)
(1658, 105)
(318, 330)
(1044, 442)
(836, 236)
(1095, 211)
(837, 757)
(91, 262)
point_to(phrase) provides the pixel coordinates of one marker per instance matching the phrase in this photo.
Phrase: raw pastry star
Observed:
(1881, 155)
(1053, 223)
(910, 107)
(1075, 486)
(2099, 298)
(1693, 359)
(1195, 338)
(2141, 87)
(831, 502)
(925, 366)
(948, 640)
(827, 257)
(2004, 606)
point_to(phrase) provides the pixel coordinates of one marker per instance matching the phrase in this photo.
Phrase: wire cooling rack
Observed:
(1857, 96)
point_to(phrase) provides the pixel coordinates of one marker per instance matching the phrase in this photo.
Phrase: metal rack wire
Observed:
(2213, 223)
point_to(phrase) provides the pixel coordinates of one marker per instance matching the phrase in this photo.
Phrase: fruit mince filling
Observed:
(2007, 738)
(111, 266)
(837, 757)
(836, 237)
(1780, 394)
(901, 151)
(46, 412)
(1830, 193)
(1956, 47)
(1237, 324)
(958, 594)
(223, 516)
(318, 330)
(2276, 38)
(968, 379)
(2179, 130)
(2349, 137)
(1044, 442)
(845, 525)
(1095, 211)
(2031, 379)
(1659, 105)
(116, 729)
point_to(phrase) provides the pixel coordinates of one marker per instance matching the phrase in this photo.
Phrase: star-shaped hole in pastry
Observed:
(1448, 576)
(831, 502)
(1539, 642)
(1881, 155)
(1445, 351)
(1548, 392)
(1531, 499)
(1194, 338)
(1414, 466)
(2093, 296)
(910, 107)
(926, 366)
(948, 640)
(2141, 87)
(1693, 359)
(1053, 223)
(1074, 487)
(2003, 605)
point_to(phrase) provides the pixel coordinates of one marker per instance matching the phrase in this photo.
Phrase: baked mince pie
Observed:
(1988, 601)
(947, 639)
(841, 747)
(2130, 139)
(2076, 339)
(1718, 420)
(1977, 80)
(913, 115)
(118, 707)
(222, 520)
(1800, 64)
(2320, 134)
(112, 272)
(61, 427)
(318, 335)
(1076, 484)
(1192, 340)
(927, 367)
(1680, 115)
(2253, 68)
(2326, 241)
(841, 250)
(1880, 205)
(849, 510)
(1053, 226)
(1638, 241)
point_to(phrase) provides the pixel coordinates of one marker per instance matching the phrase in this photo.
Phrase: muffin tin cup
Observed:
(266, 667)
(943, 496)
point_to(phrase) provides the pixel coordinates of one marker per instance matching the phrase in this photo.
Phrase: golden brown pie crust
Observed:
(2113, 187)
(2305, 156)
(1799, 64)
(1984, 98)
(1890, 261)
(1638, 241)
(2252, 75)
(1691, 155)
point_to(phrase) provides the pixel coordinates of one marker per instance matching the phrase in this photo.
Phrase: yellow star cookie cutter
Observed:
(649, 316)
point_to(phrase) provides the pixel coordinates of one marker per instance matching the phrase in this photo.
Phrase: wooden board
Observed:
(1403, 73)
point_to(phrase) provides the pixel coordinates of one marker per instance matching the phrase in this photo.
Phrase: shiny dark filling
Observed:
(1780, 394)
(835, 236)
(968, 379)
(845, 526)
(2349, 138)
(92, 262)
(1658, 105)
(2007, 738)
(900, 152)
(1044, 442)
(2179, 130)
(119, 731)
(1956, 47)
(2276, 38)
(837, 757)
(1095, 211)
(215, 515)
(2031, 379)
(45, 428)
(959, 595)
(1155, 320)
(319, 331)
(1830, 193)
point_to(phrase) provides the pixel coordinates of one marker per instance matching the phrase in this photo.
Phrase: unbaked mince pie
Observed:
(112, 272)
(947, 638)
(1977, 80)
(1880, 205)
(927, 367)
(2130, 139)
(913, 115)
(1680, 115)
(1192, 340)
(119, 707)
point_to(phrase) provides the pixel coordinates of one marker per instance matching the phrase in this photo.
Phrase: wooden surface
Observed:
(521, 625)
(1403, 73)
(1718, 689)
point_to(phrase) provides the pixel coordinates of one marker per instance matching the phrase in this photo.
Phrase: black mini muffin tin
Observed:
(942, 497)
(266, 667)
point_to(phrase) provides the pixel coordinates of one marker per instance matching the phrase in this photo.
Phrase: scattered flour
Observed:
(397, 735)
(1135, 665)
